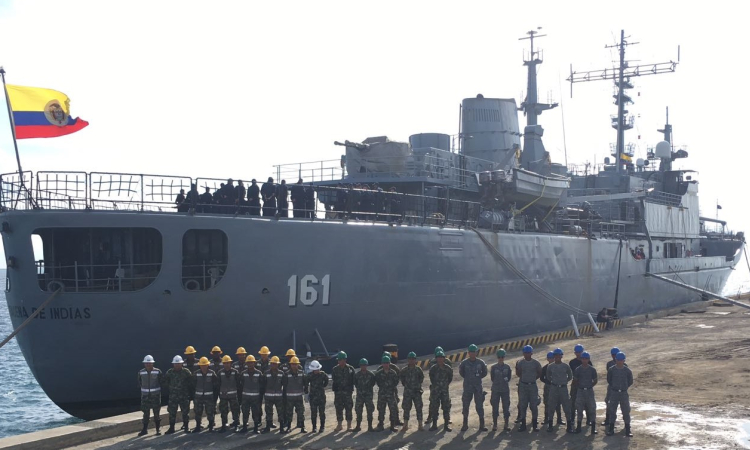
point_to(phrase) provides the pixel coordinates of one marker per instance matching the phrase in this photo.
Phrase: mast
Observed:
(531, 106)
(621, 76)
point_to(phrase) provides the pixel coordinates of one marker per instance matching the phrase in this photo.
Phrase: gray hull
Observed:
(417, 287)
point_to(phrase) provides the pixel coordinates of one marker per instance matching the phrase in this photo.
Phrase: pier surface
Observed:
(691, 390)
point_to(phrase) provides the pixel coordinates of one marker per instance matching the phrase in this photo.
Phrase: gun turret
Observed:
(357, 145)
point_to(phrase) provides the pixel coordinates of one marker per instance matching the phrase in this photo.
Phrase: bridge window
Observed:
(204, 259)
(97, 259)
(673, 250)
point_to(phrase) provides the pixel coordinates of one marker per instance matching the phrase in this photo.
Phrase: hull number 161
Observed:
(308, 293)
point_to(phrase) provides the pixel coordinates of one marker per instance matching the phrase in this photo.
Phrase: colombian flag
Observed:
(41, 113)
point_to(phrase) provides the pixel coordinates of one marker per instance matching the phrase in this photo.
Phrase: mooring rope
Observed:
(31, 317)
(549, 296)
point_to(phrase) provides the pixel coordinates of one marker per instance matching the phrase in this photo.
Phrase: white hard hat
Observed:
(148, 359)
(315, 365)
(177, 360)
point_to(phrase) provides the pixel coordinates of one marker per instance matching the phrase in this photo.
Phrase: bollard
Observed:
(593, 323)
(575, 325)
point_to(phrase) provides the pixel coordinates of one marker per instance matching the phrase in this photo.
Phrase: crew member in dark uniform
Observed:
(298, 199)
(180, 201)
(310, 202)
(206, 200)
(191, 199)
(268, 192)
(253, 198)
(282, 195)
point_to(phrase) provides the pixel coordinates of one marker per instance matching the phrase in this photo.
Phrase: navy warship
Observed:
(442, 240)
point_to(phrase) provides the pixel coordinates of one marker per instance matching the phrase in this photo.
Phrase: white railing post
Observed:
(593, 323)
(575, 326)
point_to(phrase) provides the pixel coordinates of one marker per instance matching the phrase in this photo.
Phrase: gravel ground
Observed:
(691, 391)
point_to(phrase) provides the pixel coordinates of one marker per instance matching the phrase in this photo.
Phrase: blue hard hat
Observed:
(550, 355)
(620, 356)
(614, 351)
(558, 351)
(585, 355)
(528, 349)
(578, 348)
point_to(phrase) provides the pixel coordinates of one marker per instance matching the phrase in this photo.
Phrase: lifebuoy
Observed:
(192, 285)
(55, 285)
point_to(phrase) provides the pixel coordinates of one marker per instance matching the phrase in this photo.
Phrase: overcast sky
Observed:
(227, 89)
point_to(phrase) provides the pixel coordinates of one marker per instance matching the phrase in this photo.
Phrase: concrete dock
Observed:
(691, 390)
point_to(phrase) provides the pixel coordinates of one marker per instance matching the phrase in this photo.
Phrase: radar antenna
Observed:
(530, 106)
(621, 77)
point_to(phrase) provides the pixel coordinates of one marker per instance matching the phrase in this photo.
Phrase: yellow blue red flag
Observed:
(41, 113)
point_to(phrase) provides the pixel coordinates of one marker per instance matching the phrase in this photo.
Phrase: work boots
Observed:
(170, 430)
(267, 428)
(349, 425)
(145, 427)
(466, 423)
(211, 426)
(494, 424)
(420, 427)
(611, 429)
(380, 426)
(406, 424)
(158, 425)
(570, 427)
(198, 428)
(506, 428)
(549, 425)
(578, 427)
(534, 426)
(522, 427)
(358, 428)
(255, 427)
(223, 426)
(369, 425)
(244, 428)
(393, 428)
(434, 425)
(338, 428)
(185, 425)
(315, 425)
(322, 424)
(593, 428)
(481, 425)
(627, 431)
(301, 426)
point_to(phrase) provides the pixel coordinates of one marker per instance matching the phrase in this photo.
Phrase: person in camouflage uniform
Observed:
(150, 380)
(179, 382)
(229, 384)
(205, 383)
(412, 378)
(396, 369)
(342, 377)
(252, 383)
(387, 381)
(430, 364)
(441, 376)
(317, 381)
(364, 381)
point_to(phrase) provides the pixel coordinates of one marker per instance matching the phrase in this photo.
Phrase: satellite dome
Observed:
(663, 150)
(640, 162)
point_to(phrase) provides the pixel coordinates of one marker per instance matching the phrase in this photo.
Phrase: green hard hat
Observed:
(387, 354)
(473, 348)
(501, 353)
(385, 359)
(438, 349)
(341, 355)
(411, 355)
(363, 362)
(440, 354)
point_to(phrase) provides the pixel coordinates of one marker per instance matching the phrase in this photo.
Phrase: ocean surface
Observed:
(24, 407)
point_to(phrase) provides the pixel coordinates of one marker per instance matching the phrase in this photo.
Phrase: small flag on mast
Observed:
(718, 206)
(41, 113)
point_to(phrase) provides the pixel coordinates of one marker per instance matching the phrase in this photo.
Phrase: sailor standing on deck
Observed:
(342, 378)
(253, 198)
(229, 382)
(559, 375)
(500, 375)
(150, 380)
(412, 378)
(586, 378)
(179, 381)
(298, 199)
(268, 192)
(528, 370)
(472, 370)
(252, 382)
(619, 379)
(205, 383)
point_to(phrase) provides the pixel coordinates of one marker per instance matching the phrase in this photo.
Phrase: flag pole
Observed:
(12, 124)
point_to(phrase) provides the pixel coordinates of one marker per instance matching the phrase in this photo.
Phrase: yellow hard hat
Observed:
(241, 351)
(203, 361)
(274, 359)
(290, 352)
(294, 360)
(216, 349)
(226, 359)
(264, 351)
(250, 358)
(190, 350)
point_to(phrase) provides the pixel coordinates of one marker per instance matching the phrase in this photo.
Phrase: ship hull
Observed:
(417, 287)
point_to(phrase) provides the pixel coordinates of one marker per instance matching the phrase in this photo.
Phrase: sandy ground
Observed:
(691, 391)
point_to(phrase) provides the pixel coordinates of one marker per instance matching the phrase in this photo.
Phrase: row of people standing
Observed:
(270, 199)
